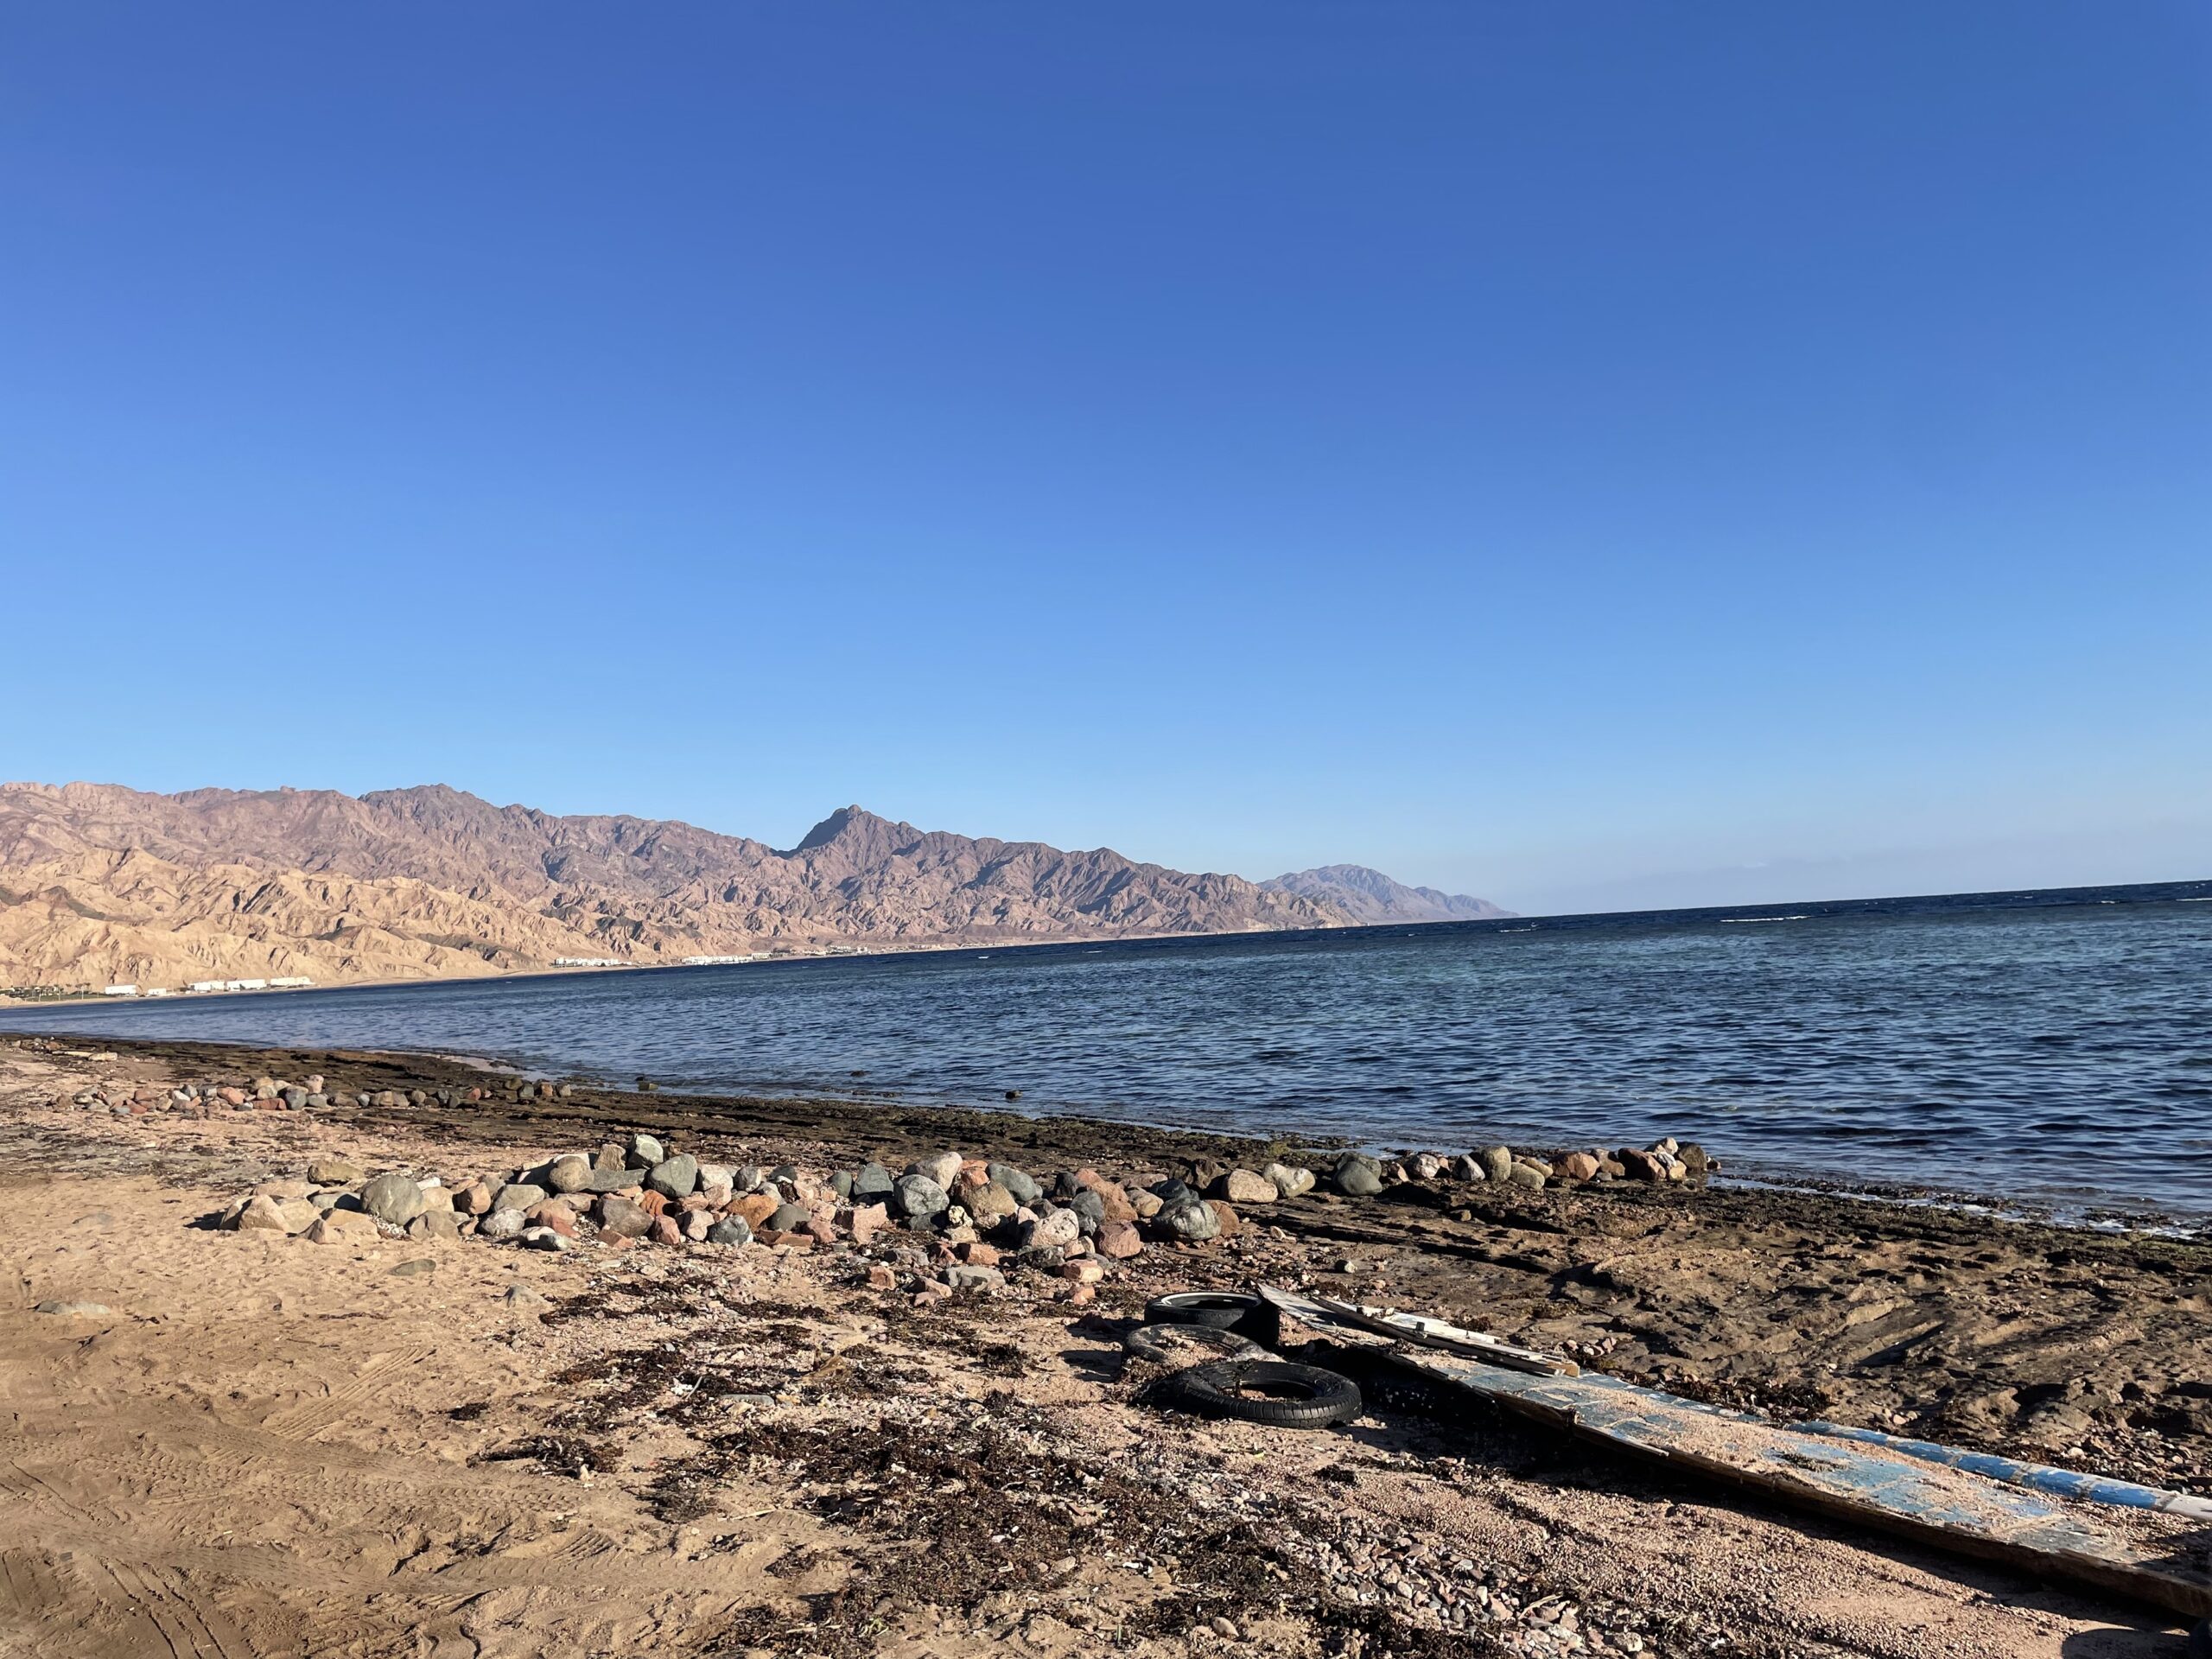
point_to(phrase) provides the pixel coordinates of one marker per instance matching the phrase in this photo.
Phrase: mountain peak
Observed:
(856, 819)
(1370, 897)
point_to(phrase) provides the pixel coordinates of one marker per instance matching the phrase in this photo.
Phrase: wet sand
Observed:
(267, 1446)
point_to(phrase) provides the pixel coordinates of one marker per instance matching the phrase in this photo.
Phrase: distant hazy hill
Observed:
(99, 884)
(1370, 896)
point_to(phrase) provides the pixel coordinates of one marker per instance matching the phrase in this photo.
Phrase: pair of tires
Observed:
(1240, 1382)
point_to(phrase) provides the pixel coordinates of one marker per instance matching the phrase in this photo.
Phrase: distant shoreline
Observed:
(2193, 891)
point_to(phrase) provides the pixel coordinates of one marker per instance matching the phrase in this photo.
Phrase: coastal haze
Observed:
(105, 886)
(2047, 1048)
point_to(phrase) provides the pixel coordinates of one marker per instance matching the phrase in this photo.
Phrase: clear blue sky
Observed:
(1586, 455)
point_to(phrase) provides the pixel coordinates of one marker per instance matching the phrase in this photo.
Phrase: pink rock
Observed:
(1245, 1186)
(664, 1230)
(1084, 1271)
(345, 1227)
(261, 1215)
(756, 1208)
(1118, 1239)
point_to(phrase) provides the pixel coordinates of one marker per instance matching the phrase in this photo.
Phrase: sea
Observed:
(2048, 1051)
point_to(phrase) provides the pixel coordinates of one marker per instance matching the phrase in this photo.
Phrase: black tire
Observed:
(1265, 1391)
(1225, 1310)
(2200, 1641)
(1189, 1345)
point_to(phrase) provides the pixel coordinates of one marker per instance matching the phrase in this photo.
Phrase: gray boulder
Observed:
(960, 1277)
(1016, 1181)
(502, 1223)
(515, 1195)
(1357, 1176)
(730, 1230)
(645, 1151)
(872, 1184)
(675, 1178)
(393, 1197)
(918, 1198)
(1193, 1222)
(790, 1218)
(570, 1173)
(1496, 1162)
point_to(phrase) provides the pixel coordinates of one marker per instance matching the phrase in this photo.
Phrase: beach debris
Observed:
(1188, 1344)
(1936, 1498)
(1271, 1392)
(1220, 1310)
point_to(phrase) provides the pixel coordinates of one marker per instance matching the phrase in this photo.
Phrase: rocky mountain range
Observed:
(1370, 897)
(101, 883)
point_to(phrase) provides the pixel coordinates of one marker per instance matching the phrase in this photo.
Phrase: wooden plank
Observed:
(1341, 1319)
(1949, 1507)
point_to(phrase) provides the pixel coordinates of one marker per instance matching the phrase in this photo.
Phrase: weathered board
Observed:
(1947, 1506)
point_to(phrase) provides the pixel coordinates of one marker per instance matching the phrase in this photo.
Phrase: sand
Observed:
(269, 1447)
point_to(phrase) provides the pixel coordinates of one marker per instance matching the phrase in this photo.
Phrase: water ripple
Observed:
(2051, 1052)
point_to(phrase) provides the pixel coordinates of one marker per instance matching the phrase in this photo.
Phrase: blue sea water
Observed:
(2053, 1048)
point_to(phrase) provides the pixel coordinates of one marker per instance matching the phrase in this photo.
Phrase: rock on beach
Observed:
(1357, 1176)
(393, 1197)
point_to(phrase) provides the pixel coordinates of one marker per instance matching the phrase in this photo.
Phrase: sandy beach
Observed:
(244, 1443)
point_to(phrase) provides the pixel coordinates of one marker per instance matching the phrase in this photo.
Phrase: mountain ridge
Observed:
(103, 884)
(1374, 898)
